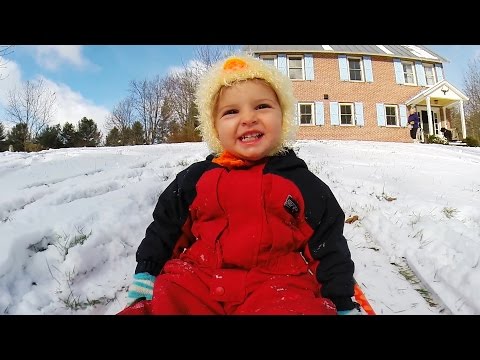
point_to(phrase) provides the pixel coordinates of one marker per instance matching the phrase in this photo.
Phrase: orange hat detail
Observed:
(234, 64)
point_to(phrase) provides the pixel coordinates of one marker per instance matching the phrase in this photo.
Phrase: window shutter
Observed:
(439, 72)
(319, 113)
(403, 115)
(380, 114)
(308, 66)
(282, 63)
(367, 63)
(422, 81)
(343, 66)
(334, 120)
(359, 114)
(398, 71)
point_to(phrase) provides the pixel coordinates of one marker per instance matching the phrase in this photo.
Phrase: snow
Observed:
(72, 219)
(416, 51)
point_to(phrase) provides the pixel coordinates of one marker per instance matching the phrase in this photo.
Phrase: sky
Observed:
(71, 221)
(90, 80)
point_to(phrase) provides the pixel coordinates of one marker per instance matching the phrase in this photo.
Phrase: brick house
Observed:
(362, 92)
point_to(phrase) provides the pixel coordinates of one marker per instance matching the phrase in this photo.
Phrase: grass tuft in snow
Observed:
(65, 242)
(410, 276)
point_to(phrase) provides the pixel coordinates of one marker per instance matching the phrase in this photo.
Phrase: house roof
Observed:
(411, 52)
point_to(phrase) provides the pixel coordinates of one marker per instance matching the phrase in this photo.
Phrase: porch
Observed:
(431, 105)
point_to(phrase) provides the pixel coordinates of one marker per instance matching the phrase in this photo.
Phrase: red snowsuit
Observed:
(267, 239)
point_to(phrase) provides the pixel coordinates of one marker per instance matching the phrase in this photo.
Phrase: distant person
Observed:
(413, 123)
(250, 230)
(446, 133)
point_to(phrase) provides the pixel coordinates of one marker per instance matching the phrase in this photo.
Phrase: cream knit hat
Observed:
(239, 68)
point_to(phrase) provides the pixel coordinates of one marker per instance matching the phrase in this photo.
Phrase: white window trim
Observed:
(274, 57)
(303, 66)
(431, 66)
(415, 82)
(312, 107)
(397, 119)
(362, 71)
(352, 107)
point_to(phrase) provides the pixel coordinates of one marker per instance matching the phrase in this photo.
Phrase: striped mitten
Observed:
(142, 287)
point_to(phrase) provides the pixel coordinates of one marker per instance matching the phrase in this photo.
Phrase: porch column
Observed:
(462, 118)
(444, 122)
(429, 116)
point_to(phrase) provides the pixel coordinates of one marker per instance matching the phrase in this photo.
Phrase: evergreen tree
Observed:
(137, 133)
(68, 136)
(126, 136)
(51, 137)
(18, 136)
(88, 134)
(3, 136)
(113, 138)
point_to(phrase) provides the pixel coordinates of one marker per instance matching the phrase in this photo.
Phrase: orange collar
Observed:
(230, 161)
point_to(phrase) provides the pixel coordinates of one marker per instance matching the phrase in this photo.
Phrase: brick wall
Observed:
(383, 89)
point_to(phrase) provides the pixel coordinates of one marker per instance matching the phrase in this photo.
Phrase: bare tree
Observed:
(182, 86)
(208, 54)
(4, 51)
(122, 118)
(32, 105)
(471, 82)
(148, 98)
(181, 90)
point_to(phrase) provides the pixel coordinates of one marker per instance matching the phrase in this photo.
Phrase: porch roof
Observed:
(441, 94)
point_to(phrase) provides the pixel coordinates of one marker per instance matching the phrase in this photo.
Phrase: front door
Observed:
(424, 121)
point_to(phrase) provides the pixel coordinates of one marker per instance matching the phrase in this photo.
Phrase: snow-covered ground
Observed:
(72, 219)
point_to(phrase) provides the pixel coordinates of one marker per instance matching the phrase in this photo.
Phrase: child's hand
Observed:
(142, 287)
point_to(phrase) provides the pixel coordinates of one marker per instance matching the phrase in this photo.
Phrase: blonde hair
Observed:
(229, 72)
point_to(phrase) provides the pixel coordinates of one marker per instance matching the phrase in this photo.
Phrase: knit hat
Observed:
(239, 68)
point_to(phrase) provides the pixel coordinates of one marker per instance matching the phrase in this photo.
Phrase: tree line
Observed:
(156, 110)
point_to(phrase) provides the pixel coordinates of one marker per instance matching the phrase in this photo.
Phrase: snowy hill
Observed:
(71, 221)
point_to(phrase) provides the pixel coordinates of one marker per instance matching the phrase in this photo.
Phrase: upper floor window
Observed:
(355, 69)
(346, 114)
(429, 74)
(391, 115)
(305, 111)
(269, 59)
(295, 68)
(409, 73)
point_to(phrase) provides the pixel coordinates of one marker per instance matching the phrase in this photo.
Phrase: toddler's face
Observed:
(248, 119)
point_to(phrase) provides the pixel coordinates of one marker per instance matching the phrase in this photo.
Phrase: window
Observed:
(295, 68)
(306, 113)
(270, 59)
(429, 74)
(355, 69)
(391, 115)
(346, 114)
(409, 73)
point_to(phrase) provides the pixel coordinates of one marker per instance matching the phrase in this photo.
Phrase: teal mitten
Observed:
(142, 287)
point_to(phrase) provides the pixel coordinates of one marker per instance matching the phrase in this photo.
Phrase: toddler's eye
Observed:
(263, 106)
(230, 112)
